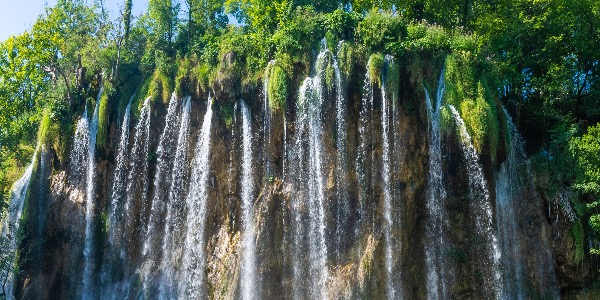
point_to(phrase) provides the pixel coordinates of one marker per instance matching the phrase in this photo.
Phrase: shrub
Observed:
(103, 114)
(378, 29)
(375, 66)
(278, 80)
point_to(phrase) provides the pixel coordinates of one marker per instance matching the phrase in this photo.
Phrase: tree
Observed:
(127, 18)
(586, 152)
(164, 17)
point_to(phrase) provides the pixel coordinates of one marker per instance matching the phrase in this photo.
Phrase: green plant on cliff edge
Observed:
(586, 151)
(578, 234)
(104, 113)
(277, 86)
(466, 90)
(375, 65)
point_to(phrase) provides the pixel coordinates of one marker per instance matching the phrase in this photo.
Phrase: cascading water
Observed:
(175, 206)
(191, 282)
(481, 208)
(115, 216)
(137, 190)
(248, 260)
(88, 247)
(363, 159)
(116, 211)
(164, 168)
(508, 185)
(298, 178)
(438, 270)
(309, 183)
(511, 183)
(9, 230)
(267, 121)
(343, 202)
(387, 193)
(78, 158)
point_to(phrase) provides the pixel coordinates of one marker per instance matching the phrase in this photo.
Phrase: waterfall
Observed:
(387, 197)
(137, 179)
(480, 207)
(267, 121)
(173, 228)
(191, 281)
(438, 270)
(164, 169)
(363, 160)
(115, 215)
(248, 263)
(79, 153)
(298, 179)
(117, 202)
(137, 190)
(508, 185)
(342, 213)
(9, 229)
(309, 182)
(88, 247)
(511, 182)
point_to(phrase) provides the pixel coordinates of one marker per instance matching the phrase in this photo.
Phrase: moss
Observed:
(160, 88)
(183, 76)
(103, 115)
(578, 234)
(467, 90)
(481, 121)
(227, 111)
(45, 130)
(446, 120)
(278, 81)
(202, 73)
(330, 73)
(375, 65)
(346, 58)
(461, 83)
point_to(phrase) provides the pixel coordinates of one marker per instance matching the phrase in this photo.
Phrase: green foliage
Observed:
(164, 19)
(586, 152)
(375, 66)
(278, 80)
(340, 25)
(578, 239)
(103, 115)
(466, 90)
(423, 37)
(380, 29)
(160, 87)
(481, 122)
(346, 56)
(299, 34)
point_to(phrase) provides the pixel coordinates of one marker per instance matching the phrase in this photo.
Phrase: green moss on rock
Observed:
(375, 65)
(278, 83)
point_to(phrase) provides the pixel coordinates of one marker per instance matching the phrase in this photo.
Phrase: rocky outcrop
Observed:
(53, 260)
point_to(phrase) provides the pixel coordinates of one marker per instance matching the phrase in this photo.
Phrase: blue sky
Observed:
(17, 16)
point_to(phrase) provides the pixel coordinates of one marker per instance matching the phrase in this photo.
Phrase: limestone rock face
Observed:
(356, 262)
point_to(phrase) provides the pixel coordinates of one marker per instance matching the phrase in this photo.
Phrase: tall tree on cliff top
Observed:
(205, 19)
(164, 16)
(127, 17)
